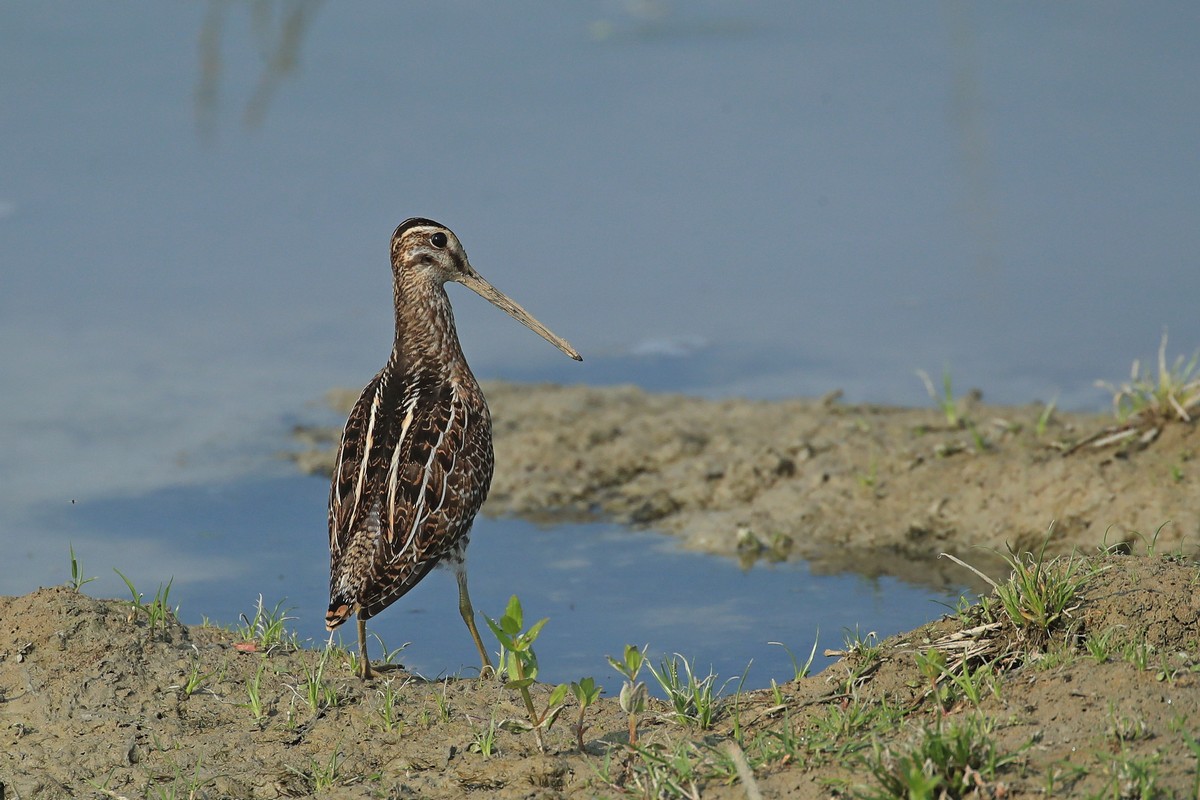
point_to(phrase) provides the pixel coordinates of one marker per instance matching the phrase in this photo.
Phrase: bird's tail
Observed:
(340, 610)
(348, 573)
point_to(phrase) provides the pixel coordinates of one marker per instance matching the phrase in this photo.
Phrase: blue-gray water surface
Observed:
(601, 586)
(722, 198)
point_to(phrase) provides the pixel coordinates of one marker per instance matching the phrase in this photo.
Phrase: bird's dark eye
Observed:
(438, 240)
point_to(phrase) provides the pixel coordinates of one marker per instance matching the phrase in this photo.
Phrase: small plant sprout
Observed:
(738, 736)
(800, 670)
(675, 771)
(945, 400)
(181, 785)
(320, 775)
(443, 702)
(484, 739)
(1125, 728)
(977, 437)
(633, 692)
(268, 628)
(1100, 645)
(862, 648)
(586, 693)
(388, 656)
(519, 663)
(135, 604)
(1173, 394)
(347, 658)
(388, 714)
(870, 478)
(254, 700)
(195, 679)
(77, 579)
(691, 697)
(1150, 542)
(314, 690)
(951, 760)
(158, 611)
(972, 682)
(1137, 653)
(1039, 595)
(1043, 420)
(932, 664)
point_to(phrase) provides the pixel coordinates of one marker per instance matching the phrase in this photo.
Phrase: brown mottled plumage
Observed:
(415, 460)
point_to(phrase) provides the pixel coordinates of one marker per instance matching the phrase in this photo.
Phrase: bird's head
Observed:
(427, 251)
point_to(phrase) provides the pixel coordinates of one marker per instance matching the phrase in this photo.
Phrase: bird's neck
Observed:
(426, 340)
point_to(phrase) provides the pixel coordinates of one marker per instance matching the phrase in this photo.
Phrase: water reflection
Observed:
(601, 586)
(277, 29)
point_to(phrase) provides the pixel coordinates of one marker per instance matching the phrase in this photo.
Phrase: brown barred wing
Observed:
(353, 517)
(348, 482)
(426, 500)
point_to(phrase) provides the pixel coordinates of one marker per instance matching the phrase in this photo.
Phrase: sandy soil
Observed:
(98, 699)
(95, 702)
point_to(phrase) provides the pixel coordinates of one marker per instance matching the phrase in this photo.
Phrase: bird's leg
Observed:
(364, 671)
(468, 615)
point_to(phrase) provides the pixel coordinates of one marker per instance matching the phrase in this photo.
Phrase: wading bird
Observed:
(415, 460)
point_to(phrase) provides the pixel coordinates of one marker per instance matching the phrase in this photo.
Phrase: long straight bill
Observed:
(502, 301)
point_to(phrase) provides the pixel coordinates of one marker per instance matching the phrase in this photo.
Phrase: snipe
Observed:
(415, 460)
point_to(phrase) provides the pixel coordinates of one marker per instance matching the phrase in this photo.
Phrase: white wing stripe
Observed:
(421, 515)
(366, 453)
(394, 467)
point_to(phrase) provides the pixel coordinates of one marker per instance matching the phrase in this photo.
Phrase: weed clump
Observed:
(1172, 394)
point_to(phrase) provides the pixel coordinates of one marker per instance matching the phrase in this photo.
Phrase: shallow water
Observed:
(601, 586)
(764, 199)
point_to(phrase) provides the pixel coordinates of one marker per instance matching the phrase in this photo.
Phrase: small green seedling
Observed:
(443, 702)
(1039, 594)
(314, 689)
(135, 603)
(388, 655)
(586, 693)
(158, 611)
(195, 679)
(692, 697)
(944, 401)
(1043, 420)
(268, 628)
(320, 775)
(800, 670)
(77, 579)
(932, 664)
(1172, 394)
(953, 760)
(254, 700)
(388, 712)
(484, 741)
(633, 692)
(519, 662)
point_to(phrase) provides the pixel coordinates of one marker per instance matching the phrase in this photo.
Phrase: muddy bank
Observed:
(102, 700)
(869, 488)
(99, 698)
